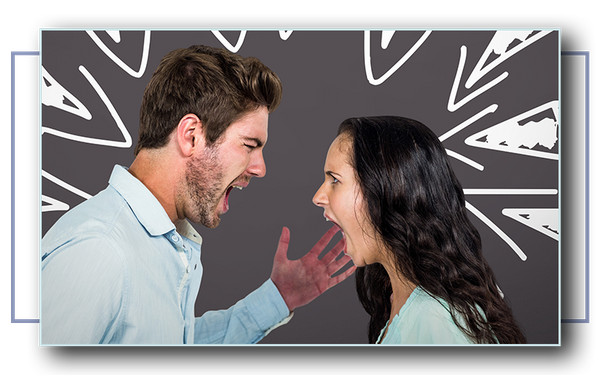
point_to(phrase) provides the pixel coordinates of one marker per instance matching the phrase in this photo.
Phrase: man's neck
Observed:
(158, 174)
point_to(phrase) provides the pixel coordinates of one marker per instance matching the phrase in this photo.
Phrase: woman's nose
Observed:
(320, 198)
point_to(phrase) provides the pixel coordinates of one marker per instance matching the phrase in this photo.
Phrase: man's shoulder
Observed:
(94, 218)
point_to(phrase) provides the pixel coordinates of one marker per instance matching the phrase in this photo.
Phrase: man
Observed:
(124, 266)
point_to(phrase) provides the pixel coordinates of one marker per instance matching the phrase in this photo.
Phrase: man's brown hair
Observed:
(216, 85)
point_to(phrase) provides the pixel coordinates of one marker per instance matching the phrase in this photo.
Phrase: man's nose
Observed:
(257, 167)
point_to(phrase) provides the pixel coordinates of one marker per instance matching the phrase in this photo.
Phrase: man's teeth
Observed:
(238, 187)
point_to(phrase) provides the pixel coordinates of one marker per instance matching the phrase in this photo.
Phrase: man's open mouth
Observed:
(226, 200)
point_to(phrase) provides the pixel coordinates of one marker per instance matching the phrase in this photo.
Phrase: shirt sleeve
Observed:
(247, 322)
(82, 292)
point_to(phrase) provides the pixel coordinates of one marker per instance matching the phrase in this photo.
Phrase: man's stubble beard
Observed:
(203, 178)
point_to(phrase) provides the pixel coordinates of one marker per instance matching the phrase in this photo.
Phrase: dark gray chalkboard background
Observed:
(325, 81)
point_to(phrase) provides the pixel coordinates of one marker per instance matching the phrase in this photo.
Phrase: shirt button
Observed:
(175, 238)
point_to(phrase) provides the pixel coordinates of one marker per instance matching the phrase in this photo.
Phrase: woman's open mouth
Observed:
(327, 218)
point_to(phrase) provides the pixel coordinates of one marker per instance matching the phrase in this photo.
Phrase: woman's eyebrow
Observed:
(332, 174)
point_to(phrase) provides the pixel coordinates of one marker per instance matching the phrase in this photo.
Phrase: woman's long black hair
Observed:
(417, 207)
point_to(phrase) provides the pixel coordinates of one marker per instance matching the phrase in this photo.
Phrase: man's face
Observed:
(230, 163)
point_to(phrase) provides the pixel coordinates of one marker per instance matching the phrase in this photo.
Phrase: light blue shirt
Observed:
(116, 270)
(423, 320)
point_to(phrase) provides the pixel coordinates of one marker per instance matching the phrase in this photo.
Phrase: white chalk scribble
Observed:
(491, 109)
(533, 133)
(386, 37)
(126, 143)
(116, 37)
(55, 95)
(544, 220)
(228, 45)
(453, 105)
(548, 219)
(520, 135)
(499, 45)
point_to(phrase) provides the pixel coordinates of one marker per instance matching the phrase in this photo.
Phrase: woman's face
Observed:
(342, 200)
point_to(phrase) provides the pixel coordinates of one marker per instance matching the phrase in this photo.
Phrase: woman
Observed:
(422, 277)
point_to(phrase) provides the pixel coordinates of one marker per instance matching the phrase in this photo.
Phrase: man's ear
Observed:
(190, 134)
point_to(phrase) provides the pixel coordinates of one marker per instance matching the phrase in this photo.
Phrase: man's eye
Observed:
(251, 147)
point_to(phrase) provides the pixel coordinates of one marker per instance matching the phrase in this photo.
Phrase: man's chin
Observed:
(212, 224)
(208, 222)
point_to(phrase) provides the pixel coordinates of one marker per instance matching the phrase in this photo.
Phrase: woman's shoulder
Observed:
(426, 320)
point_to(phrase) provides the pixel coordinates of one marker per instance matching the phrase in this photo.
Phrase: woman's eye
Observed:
(335, 180)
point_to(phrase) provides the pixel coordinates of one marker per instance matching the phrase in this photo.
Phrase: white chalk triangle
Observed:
(116, 37)
(385, 40)
(499, 46)
(544, 220)
(55, 95)
(53, 204)
(522, 134)
(285, 34)
(228, 45)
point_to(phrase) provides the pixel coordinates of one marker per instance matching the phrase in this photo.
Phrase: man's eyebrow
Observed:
(259, 142)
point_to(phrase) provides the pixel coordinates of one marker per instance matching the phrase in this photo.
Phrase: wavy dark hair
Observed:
(417, 207)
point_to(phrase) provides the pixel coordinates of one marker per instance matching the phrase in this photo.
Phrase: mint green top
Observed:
(423, 320)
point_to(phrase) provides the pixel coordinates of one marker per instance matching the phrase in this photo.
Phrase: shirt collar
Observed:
(143, 203)
(187, 230)
(146, 208)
